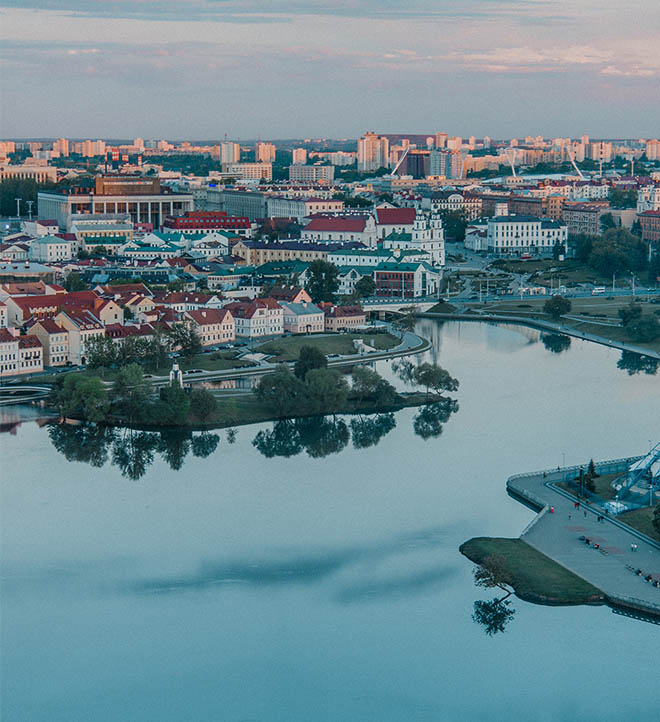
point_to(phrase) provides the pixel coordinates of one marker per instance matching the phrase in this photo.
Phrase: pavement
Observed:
(611, 567)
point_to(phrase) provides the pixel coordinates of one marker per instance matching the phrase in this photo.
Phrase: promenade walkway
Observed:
(556, 534)
(544, 325)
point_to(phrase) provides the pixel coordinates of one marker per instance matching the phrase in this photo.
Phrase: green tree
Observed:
(327, 390)
(582, 245)
(74, 282)
(435, 377)
(173, 406)
(203, 403)
(132, 393)
(83, 397)
(405, 321)
(365, 382)
(557, 306)
(310, 357)
(644, 330)
(454, 224)
(607, 221)
(322, 281)
(629, 313)
(623, 198)
(656, 519)
(365, 287)
(101, 352)
(185, 338)
(282, 393)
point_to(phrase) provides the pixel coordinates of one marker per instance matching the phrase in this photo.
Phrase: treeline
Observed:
(130, 400)
(616, 251)
(25, 189)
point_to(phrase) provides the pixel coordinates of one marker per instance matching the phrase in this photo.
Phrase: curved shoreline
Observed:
(542, 325)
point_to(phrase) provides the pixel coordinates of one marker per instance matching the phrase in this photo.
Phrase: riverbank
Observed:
(533, 576)
(550, 327)
(247, 409)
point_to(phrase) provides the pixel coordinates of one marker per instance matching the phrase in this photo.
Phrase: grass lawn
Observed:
(642, 520)
(534, 576)
(603, 485)
(443, 307)
(288, 349)
(217, 361)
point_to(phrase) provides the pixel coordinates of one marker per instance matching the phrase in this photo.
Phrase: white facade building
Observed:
(49, 249)
(524, 234)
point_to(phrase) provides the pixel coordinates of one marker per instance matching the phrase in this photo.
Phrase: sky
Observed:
(201, 69)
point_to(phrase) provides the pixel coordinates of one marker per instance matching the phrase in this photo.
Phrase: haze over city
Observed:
(300, 68)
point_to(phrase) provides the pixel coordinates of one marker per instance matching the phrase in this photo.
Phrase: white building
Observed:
(340, 228)
(311, 173)
(427, 236)
(264, 153)
(230, 153)
(373, 152)
(299, 156)
(49, 249)
(648, 199)
(250, 171)
(282, 207)
(525, 234)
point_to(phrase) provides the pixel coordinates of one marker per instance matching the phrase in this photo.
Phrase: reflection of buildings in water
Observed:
(11, 417)
(244, 383)
(431, 330)
(490, 334)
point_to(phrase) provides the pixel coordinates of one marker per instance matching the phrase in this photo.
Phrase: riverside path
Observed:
(556, 532)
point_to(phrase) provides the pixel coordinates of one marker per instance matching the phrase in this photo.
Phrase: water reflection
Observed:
(635, 363)
(429, 421)
(493, 615)
(556, 342)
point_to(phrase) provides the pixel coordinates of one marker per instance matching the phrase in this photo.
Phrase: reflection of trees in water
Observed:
(369, 430)
(132, 452)
(493, 614)
(318, 436)
(204, 444)
(429, 420)
(556, 342)
(636, 363)
(87, 443)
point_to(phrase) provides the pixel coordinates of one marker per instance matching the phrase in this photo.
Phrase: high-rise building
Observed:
(652, 150)
(230, 152)
(264, 153)
(441, 140)
(487, 141)
(373, 152)
(454, 143)
(311, 173)
(138, 144)
(600, 151)
(299, 156)
(61, 146)
(447, 163)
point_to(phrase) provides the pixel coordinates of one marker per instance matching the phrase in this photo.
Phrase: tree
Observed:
(327, 390)
(435, 377)
(582, 245)
(83, 397)
(203, 403)
(607, 221)
(454, 224)
(101, 352)
(620, 198)
(656, 519)
(132, 393)
(74, 282)
(185, 338)
(591, 469)
(617, 251)
(644, 330)
(365, 287)
(173, 407)
(282, 393)
(630, 313)
(557, 306)
(365, 381)
(322, 281)
(309, 358)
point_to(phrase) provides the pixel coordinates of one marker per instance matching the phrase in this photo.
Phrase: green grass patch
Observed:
(534, 576)
(288, 349)
(443, 307)
(642, 520)
(602, 486)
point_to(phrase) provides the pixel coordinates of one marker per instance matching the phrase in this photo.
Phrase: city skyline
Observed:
(202, 69)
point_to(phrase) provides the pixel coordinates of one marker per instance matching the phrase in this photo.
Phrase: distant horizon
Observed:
(204, 68)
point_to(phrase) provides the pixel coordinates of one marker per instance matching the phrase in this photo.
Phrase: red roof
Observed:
(209, 316)
(49, 326)
(344, 311)
(395, 216)
(29, 342)
(348, 224)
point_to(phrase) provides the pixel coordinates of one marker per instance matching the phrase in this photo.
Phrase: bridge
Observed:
(22, 394)
(421, 304)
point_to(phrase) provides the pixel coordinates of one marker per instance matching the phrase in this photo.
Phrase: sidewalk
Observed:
(557, 536)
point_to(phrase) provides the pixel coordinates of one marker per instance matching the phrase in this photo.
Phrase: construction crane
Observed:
(572, 159)
(510, 154)
(401, 159)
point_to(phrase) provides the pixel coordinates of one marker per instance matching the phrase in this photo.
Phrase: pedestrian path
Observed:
(614, 552)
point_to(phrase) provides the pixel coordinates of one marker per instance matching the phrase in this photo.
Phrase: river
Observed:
(312, 573)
